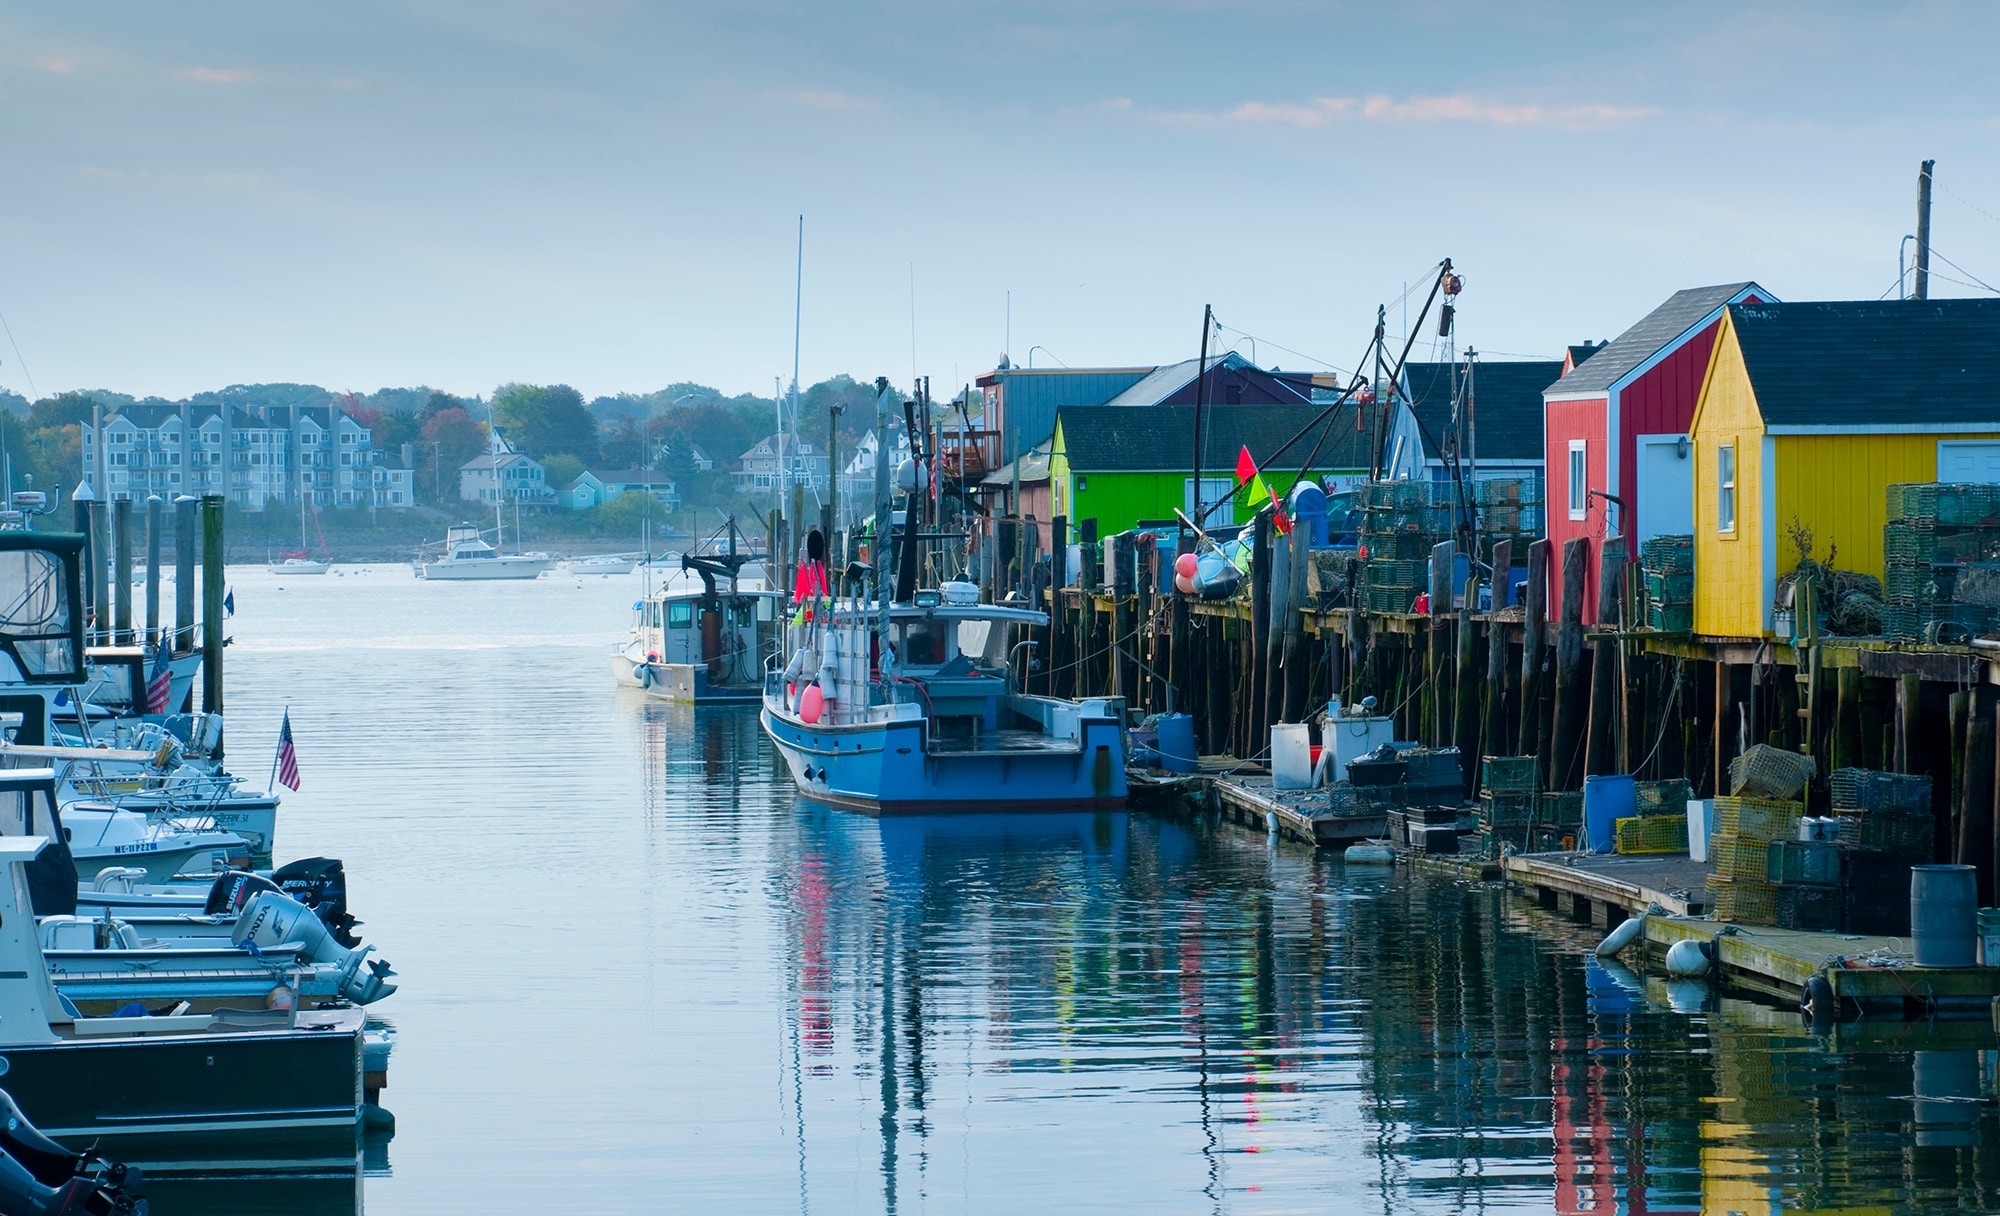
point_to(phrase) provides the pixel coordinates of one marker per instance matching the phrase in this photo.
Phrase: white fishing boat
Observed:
(468, 557)
(702, 636)
(604, 563)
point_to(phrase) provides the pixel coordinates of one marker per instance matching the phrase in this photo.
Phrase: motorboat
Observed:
(212, 1082)
(165, 769)
(702, 636)
(468, 557)
(912, 706)
(606, 563)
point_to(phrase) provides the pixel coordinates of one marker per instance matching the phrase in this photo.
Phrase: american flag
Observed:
(160, 685)
(288, 759)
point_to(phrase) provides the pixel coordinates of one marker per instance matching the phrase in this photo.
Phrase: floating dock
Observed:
(1307, 816)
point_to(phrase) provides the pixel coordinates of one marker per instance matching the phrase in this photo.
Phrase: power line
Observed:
(17, 355)
(1976, 280)
(1968, 202)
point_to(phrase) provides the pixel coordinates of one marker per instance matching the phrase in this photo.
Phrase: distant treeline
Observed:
(675, 429)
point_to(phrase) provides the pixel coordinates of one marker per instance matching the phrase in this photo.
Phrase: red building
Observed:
(1615, 430)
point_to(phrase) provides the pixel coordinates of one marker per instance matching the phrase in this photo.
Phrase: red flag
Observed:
(1246, 468)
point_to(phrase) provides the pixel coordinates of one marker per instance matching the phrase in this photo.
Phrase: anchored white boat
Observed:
(702, 637)
(300, 565)
(467, 557)
(604, 563)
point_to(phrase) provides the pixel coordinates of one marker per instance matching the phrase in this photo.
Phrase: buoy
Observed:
(1688, 960)
(645, 675)
(811, 702)
(1184, 565)
(1817, 1005)
(1624, 935)
(1370, 854)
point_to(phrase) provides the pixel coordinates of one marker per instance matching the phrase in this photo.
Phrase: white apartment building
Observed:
(256, 458)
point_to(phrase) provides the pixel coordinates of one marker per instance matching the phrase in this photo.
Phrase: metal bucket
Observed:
(1944, 902)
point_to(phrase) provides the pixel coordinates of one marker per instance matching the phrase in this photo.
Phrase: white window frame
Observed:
(1725, 489)
(1579, 479)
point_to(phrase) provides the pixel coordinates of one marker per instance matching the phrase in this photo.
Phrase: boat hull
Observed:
(688, 684)
(487, 569)
(885, 768)
(195, 1096)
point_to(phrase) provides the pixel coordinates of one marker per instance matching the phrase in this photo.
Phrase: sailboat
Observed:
(300, 563)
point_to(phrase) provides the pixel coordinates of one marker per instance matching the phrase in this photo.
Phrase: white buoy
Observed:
(1687, 960)
(1624, 935)
(1370, 854)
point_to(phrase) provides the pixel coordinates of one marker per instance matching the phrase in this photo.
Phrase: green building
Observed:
(1129, 465)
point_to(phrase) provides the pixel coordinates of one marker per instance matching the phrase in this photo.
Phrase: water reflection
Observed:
(1113, 1010)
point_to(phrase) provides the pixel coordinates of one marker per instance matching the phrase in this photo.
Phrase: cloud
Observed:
(214, 75)
(1379, 107)
(829, 101)
(61, 65)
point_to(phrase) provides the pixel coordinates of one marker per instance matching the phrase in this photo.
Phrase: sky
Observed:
(465, 192)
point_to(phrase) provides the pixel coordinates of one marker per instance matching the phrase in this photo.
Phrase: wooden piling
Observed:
(1566, 744)
(1260, 637)
(1465, 731)
(1532, 647)
(1974, 845)
(1601, 748)
(211, 608)
(184, 534)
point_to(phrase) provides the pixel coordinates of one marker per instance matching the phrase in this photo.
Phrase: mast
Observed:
(1200, 399)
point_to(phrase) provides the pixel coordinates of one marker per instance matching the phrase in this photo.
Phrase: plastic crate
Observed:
(1671, 618)
(1661, 797)
(1508, 774)
(1812, 863)
(1564, 810)
(1735, 858)
(1744, 902)
(1657, 834)
(1812, 909)
(1769, 772)
(1861, 789)
(1903, 835)
(1667, 554)
(1507, 810)
(1753, 819)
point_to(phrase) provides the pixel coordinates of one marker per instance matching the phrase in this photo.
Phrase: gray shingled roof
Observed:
(1166, 380)
(1114, 439)
(1656, 329)
(1507, 405)
(1878, 363)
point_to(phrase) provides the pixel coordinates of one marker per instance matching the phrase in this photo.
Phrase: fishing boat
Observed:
(209, 1083)
(702, 636)
(604, 563)
(468, 557)
(912, 707)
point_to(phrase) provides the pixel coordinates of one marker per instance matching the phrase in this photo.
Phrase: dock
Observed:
(1306, 816)
(1604, 889)
(1869, 975)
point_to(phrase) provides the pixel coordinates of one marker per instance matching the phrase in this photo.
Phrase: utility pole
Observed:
(1923, 291)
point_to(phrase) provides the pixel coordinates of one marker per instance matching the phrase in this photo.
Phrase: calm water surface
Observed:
(640, 974)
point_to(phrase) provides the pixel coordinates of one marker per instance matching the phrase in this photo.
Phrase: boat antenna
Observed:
(1200, 399)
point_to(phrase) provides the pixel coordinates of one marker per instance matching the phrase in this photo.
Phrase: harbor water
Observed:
(640, 974)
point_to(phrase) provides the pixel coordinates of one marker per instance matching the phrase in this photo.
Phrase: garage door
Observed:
(1969, 460)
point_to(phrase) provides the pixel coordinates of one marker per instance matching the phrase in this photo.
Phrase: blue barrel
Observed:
(1309, 512)
(1177, 743)
(1944, 907)
(1606, 800)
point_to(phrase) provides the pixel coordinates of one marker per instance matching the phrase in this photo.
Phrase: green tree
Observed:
(453, 438)
(561, 469)
(546, 420)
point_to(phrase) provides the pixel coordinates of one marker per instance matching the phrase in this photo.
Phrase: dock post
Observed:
(184, 531)
(100, 582)
(121, 542)
(211, 607)
(1847, 747)
(153, 505)
(1058, 576)
(1974, 846)
(1566, 745)
(1494, 730)
(1260, 641)
(1601, 750)
(1294, 662)
(1909, 703)
(1533, 650)
(1465, 730)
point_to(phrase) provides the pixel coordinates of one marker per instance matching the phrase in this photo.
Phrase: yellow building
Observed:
(1808, 413)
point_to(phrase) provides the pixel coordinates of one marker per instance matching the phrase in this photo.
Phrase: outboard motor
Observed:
(39, 1176)
(233, 890)
(320, 883)
(272, 918)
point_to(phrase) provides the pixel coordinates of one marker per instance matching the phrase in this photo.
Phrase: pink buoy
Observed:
(810, 704)
(1184, 565)
(1183, 584)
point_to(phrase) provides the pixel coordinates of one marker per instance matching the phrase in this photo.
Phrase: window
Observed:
(680, 615)
(1579, 487)
(1725, 488)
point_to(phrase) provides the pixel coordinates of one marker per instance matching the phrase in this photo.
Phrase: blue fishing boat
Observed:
(913, 707)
